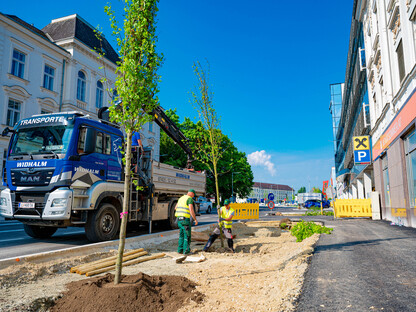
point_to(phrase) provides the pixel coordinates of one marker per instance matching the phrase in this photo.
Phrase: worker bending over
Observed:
(225, 221)
(183, 211)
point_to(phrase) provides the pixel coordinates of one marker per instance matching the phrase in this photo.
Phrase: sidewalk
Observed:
(363, 266)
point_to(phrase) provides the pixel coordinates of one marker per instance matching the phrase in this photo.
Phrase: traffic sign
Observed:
(362, 157)
(361, 143)
(270, 196)
(270, 204)
(362, 150)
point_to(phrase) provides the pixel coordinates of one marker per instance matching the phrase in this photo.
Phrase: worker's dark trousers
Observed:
(212, 239)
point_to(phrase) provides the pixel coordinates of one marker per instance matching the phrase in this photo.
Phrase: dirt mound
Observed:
(140, 292)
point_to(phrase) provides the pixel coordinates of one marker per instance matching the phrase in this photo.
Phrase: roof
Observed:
(74, 26)
(280, 187)
(27, 25)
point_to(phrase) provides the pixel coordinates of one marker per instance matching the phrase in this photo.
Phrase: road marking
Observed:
(9, 231)
(7, 223)
(16, 239)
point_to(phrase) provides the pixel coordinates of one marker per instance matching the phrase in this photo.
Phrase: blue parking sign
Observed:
(362, 157)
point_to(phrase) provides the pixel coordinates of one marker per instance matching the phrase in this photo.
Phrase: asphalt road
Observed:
(15, 243)
(363, 266)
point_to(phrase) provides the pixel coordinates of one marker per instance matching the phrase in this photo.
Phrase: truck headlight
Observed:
(3, 201)
(59, 202)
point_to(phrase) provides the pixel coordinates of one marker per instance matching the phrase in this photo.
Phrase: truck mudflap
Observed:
(38, 206)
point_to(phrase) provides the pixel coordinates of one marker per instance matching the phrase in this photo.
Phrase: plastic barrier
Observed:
(352, 208)
(245, 211)
(399, 212)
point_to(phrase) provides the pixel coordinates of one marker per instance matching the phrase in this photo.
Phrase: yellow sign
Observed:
(361, 143)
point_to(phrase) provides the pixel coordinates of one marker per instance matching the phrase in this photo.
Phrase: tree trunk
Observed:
(126, 196)
(218, 201)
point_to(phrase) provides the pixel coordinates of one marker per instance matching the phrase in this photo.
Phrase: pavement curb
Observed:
(141, 241)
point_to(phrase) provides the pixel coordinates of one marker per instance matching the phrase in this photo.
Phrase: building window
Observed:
(44, 111)
(99, 95)
(48, 77)
(410, 147)
(150, 126)
(384, 164)
(18, 64)
(81, 86)
(400, 60)
(13, 112)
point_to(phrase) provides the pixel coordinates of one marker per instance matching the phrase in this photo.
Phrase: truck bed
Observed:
(172, 180)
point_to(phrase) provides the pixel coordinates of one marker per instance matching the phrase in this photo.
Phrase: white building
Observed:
(389, 28)
(262, 190)
(55, 69)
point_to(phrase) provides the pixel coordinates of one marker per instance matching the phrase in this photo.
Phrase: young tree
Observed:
(202, 98)
(136, 85)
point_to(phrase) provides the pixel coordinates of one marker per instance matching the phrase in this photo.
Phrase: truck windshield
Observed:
(41, 140)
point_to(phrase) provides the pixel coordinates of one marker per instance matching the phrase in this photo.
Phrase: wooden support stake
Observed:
(109, 263)
(75, 268)
(127, 263)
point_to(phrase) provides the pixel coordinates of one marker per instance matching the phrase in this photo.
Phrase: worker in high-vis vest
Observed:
(183, 211)
(225, 222)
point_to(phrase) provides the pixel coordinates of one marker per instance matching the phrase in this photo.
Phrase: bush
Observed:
(283, 225)
(317, 212)
(304, 230)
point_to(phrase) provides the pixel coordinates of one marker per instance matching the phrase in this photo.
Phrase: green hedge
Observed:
(304, 230)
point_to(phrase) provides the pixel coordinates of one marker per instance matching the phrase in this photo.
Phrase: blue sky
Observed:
(271, 65)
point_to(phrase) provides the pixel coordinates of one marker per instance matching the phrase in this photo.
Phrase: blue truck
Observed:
(66, 169)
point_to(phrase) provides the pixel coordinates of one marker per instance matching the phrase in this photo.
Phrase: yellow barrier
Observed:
(352, 208)
(245, 211)
(399, 212)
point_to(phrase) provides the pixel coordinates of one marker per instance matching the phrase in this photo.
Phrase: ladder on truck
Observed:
(141, 189)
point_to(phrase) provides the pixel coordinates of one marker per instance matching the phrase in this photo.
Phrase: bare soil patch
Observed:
(265, 274)
(139, 292)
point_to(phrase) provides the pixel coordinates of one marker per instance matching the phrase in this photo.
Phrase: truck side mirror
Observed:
(6, 131)
(90, 138)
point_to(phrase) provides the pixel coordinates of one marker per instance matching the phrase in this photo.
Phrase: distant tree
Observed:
(232, 160)
(302, 190)
(316, 190)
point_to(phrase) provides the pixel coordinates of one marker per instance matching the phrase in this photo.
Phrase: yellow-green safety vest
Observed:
(182, 209)
(225, 214)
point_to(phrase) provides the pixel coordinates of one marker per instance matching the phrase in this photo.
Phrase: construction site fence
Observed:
(352, 208)
(245, 211)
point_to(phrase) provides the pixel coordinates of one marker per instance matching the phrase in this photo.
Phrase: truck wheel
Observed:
(37, 231)
(209, 210)
(103, 224)
(173, 221)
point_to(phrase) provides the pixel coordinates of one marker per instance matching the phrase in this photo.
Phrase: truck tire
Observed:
(103, 224)
(37, 231)
(173, 222)
(209, 210)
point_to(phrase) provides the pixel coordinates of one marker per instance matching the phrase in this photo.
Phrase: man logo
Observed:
(29, 179)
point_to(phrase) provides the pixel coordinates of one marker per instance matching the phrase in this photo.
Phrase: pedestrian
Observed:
(183, 211)
(137, 147)
(225, 222)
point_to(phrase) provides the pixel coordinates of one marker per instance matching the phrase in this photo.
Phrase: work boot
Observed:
(230, 244)
(180, 259)
(211, 240)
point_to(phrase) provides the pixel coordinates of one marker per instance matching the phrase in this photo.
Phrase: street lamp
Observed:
(232, 183)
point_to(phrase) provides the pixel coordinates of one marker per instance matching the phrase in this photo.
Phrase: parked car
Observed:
(204, 204)
(316, 203)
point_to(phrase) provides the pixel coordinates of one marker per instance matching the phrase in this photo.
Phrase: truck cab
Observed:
(66, 169)
(52, 163)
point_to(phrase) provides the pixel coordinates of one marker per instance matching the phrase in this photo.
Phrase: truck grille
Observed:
(38, 199)
(31, 176)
